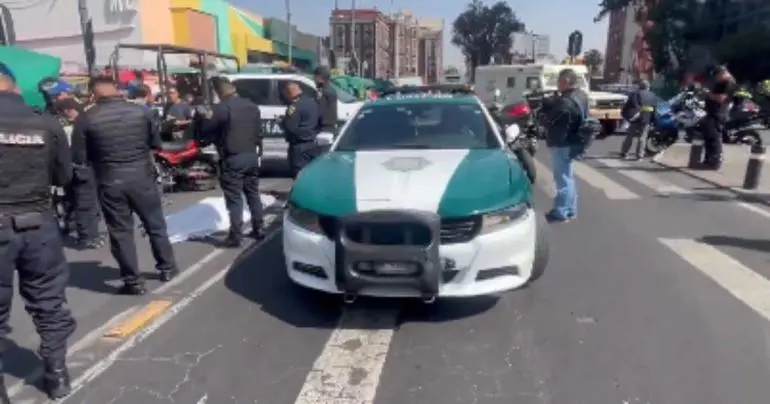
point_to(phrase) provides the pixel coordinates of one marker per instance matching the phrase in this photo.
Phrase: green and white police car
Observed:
(418, 196)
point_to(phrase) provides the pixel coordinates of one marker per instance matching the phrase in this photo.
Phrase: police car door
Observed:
(263, 92)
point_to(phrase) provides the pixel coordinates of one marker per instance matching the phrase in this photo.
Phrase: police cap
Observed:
(323, 72)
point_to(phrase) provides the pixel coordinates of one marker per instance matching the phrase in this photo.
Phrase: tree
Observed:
(594, 60)
(483, 32)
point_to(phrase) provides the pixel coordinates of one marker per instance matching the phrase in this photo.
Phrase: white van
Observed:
(514, 81)
(265, 90)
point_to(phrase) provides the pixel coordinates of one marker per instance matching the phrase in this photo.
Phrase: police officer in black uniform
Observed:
(34, 155)
(327, 100)
(82, 191)
(717, 110)
(234, 126)
(116, 137)
(300, 125)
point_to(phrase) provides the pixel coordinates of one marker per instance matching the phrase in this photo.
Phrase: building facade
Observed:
(623, 33)
(405, 37)
(53, 27)
(286, 39)
(360, 40)
(431, 50)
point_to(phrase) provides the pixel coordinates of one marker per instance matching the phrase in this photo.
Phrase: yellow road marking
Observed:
(139, 320)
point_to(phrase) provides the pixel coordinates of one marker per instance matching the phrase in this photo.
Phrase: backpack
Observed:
(585, 130)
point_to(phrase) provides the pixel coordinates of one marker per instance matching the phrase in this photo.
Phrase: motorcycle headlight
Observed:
(304, 218)
(503, 218)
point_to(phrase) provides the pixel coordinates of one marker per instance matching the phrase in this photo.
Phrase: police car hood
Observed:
(452, 183)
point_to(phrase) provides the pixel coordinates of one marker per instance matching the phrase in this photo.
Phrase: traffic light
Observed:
(575, 43)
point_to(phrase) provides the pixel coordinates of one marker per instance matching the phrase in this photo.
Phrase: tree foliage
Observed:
(483, 32)
(594, 60)
(740, 53)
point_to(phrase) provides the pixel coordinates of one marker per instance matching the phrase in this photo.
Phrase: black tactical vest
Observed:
(25, 164)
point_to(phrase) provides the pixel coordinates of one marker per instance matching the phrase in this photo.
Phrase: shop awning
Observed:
(296, 53)
(29, 68)
(248, 33)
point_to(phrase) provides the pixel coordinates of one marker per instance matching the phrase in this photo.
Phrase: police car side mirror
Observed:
(512, 133)
(325, 139)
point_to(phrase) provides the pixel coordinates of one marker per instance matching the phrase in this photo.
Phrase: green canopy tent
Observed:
(29, 68)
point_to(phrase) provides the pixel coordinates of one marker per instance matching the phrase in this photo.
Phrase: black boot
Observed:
(167, 275)
(132, 289)
(233, 240)
(257, 231)
(56, 379)
(4, 399)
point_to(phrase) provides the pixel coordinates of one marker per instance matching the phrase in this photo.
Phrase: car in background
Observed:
(267, 89)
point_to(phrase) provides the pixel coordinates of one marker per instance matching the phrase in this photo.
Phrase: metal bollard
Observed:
(754, 167)
(696, 153)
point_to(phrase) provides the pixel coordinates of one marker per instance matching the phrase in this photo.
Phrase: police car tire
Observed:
(542, 248)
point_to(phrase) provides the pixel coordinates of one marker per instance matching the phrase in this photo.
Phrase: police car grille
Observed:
(460, 230)
(609, 104)
(390, 234)
(330, 226)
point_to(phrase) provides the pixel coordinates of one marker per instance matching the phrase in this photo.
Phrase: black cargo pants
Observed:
(300, 155)
(240, 177)
(119, 201)
(36, 251)
(84, 204)
(711, 126)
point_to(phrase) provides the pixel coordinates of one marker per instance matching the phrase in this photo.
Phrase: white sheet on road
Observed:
(206, 217)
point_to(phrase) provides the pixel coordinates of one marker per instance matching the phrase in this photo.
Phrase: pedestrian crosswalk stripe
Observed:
(611, 189)
(742, 282)
(651, 181)
(349, 367)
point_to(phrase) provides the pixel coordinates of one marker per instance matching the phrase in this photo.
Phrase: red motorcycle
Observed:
(185, 165)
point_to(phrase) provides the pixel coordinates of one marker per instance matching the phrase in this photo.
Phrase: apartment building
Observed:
(619, 55)
(361, 40)
(405, 36)
(431, 50)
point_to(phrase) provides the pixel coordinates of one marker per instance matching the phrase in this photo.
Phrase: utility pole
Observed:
(353, 42)
(87, 30)
(288, 22)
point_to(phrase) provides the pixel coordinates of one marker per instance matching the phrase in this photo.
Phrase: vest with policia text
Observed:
(25, 163)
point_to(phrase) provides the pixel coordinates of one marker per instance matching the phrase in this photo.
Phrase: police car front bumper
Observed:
(488, 264)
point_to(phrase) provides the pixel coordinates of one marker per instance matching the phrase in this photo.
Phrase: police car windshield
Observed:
(424, 125)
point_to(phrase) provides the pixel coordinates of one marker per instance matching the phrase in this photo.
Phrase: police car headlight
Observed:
(304, 218)
(503, 218)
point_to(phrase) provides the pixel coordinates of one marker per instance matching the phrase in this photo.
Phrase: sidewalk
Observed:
(730, 176)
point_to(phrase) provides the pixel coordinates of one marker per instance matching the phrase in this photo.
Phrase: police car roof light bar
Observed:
(453, 89)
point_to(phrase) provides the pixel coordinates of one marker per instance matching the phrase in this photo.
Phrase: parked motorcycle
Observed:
(184, 164)
(519, 146)
(522, 115)
(685, 112)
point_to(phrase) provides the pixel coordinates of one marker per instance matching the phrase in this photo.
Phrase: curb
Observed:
(744, 196)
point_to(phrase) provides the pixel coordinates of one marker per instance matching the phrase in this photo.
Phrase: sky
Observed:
(556, 18)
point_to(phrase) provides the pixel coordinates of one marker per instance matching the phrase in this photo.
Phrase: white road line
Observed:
(754, 208)
(651, 181)
(96, 334)
(102, 365)
(349, 367)
(743, 283)
(545, 179)
(612, 190)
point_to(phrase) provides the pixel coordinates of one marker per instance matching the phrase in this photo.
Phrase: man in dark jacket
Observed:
(234, 126)
(34, 156)
(327, 100)
(565, 113)
(300, 126)
(82, 191)
(717, 110)
(639, 111)
(116, 137)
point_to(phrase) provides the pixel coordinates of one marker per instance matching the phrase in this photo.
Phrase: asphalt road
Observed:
(657, 294)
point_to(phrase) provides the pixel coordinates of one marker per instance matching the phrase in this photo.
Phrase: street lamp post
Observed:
(288, 22)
